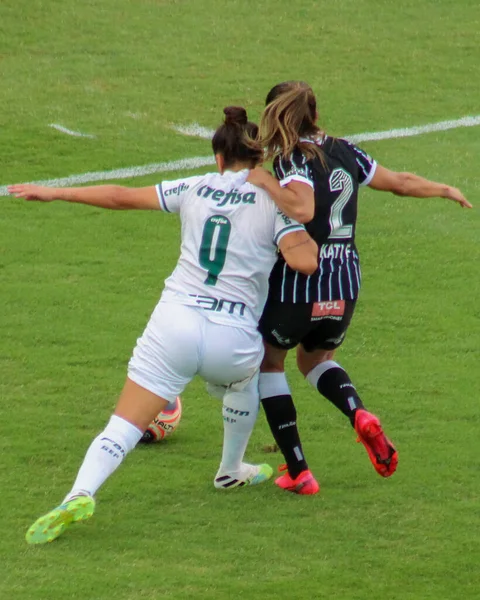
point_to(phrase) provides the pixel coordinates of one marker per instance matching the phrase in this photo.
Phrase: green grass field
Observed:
(78, 285)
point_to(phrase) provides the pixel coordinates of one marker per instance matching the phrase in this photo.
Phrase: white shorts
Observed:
(180, 342)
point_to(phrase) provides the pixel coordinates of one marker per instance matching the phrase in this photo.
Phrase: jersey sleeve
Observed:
(284, 225)
(295, 168)
(366, 164)
(171, 194)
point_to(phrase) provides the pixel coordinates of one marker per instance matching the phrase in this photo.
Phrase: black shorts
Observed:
(317, 326)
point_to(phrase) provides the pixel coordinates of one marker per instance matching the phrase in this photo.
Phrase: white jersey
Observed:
(230, 230)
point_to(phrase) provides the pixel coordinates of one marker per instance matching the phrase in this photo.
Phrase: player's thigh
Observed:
(329, 326)
(230, 354)
(167, 355)
(284, 324)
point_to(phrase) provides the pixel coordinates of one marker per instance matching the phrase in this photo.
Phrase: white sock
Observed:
(273, 384)
(240, 410)
(318, 370)
(104, 456)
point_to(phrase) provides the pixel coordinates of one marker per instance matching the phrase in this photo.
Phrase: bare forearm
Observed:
(408, 184)
(104, 196)
(419, 187)
(115, 197)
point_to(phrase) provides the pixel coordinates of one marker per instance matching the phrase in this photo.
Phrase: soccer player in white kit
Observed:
(206, 320)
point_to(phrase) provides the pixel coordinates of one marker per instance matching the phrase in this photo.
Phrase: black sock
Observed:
(282, 418)
(335, 384)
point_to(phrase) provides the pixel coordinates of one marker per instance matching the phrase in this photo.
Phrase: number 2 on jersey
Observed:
(213, 247)
(340, 181)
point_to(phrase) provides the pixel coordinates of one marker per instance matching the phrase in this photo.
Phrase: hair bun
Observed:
(235, 115)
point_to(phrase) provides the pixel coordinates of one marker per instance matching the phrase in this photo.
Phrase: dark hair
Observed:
(235, 139)
(290, 114)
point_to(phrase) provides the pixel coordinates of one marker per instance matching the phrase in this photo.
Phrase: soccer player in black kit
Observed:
(317, 183)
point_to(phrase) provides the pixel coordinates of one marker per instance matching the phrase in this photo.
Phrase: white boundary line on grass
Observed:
(195, 130)
(126, 173)
(203, 161)
(63, 129)
(411, 131)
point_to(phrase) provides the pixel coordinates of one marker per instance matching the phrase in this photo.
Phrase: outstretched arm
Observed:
(408, 184)
(296, 199)
(115, 197)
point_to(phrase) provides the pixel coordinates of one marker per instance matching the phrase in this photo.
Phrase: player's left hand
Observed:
(29, 191)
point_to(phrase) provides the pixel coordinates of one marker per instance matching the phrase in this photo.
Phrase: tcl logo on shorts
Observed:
(329, 308)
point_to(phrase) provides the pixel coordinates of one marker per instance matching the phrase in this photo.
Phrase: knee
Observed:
(270, 365)
(273, 360)
(306, 361)
(304, 366)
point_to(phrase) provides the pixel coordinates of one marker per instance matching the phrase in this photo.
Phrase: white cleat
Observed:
(247, 475)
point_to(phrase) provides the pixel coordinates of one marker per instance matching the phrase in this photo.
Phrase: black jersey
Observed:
(335, 186)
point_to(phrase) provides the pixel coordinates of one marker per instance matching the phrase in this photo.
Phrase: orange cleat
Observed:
(380, 449)
(305, 483)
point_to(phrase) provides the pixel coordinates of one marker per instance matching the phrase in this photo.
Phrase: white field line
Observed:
(195, 130)
(127, 173)
(411, 131)
(63, 129)
(202, 161)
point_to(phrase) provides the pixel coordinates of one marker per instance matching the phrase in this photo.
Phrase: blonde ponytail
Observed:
(290, 115)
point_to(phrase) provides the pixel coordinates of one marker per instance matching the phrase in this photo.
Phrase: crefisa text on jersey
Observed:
(337, 251)
(176, 191)
(222, 197)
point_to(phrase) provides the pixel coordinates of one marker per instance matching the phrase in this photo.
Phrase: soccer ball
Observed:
(164, 424)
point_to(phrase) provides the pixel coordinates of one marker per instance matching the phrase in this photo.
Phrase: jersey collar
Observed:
(319, 141)
(229, 172)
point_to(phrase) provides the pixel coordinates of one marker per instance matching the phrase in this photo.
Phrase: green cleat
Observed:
(53, 524)
(247, 475)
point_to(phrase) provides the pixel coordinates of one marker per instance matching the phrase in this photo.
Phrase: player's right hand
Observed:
(258, 176)
(457, 196)
(29, 191)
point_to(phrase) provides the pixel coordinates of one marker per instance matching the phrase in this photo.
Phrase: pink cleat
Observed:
(305, 483)
(380, 449)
